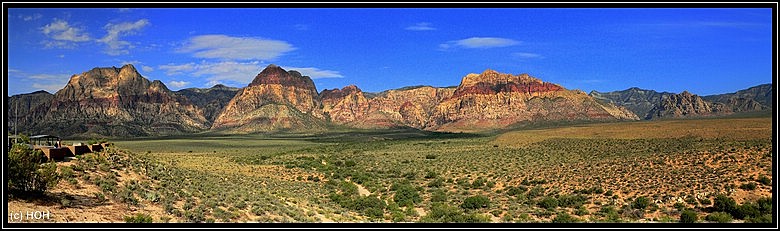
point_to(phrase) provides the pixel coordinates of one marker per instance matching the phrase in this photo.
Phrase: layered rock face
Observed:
(210, 100)
(26, 110)
(638, 101)
(118, 102)
(684, 104)
(492, 100)
(344, 106)
(276, 100)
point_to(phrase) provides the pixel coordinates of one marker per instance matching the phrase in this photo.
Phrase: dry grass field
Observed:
(608, 172)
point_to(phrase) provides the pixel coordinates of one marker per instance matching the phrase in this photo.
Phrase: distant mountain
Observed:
(761, 94)
(276, 100)
(684, 104)
(115, 102)
(210, 100)
(649, 104)
(636, 100)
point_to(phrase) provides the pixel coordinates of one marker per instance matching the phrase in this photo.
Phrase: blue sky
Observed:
(704, 51)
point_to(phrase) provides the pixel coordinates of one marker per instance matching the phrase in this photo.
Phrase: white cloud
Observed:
(244, 48)
(315, 73)
(423, 26)
(116, 46)
(50, 77)
(171, 69)
(35, 16)
(178, 84)
(63, 35)
(239, 72)
(147, 68)
(134, 62)
(61, 56)
(479, 42)
(124, 10)
(526, 55)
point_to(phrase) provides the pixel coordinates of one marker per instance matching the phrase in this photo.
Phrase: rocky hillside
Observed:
(276, 100)
(120, 102)
(210, 100)
(25, 110)
(684, 104)
(492, 100)
(117, 102)
(638, 101)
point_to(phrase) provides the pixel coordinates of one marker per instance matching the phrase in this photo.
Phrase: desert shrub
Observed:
(719, 217)
(748, 186)
(765, 180)
(766, 218)
(688, 216)
(430, 174)
(582, 210)
(535, 192)
(438, 196)
(442, 213)
(436, 183)
(406, 195)
(139, 218)
(723, 203)
(705, 201)
(641, 203)
(513, 191)
(548, 203)
(679, 206)
(430, 156)
(368, 205)
(572, 201)
(475, 202)
(564, 218)
(478, 183)
(26, 174)
(765, 205)
(747, 209)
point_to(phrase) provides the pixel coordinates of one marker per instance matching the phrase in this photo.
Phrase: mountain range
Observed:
(119, 102)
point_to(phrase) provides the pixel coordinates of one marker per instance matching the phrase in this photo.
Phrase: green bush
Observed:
(430, 156)
(442, 213)
(705, 201)
(26, 174)
(719, 217)
(139, 218)
(438, 196)
(438, 182)
(641, 203)
(564, 218)
(406, 195)
(548, 203)
(765, 180)
(723, 203)
(571, 201)
(747, 209)
(475, 202)
(766, 218)
(513, 191)
(688, 216)
(748, 186)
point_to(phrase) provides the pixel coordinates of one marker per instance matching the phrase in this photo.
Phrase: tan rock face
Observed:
(273, 97)
(119, 102)
(344, 106)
